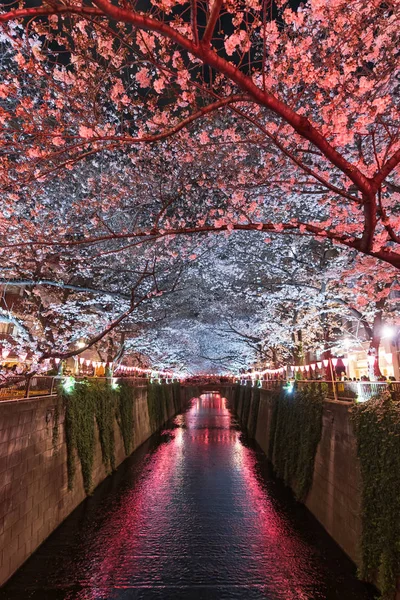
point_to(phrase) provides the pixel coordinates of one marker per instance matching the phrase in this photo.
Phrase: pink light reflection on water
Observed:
(199, 495)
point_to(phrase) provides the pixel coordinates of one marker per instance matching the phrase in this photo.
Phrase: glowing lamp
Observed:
(69, 384)
(388, 331)
(57, 360)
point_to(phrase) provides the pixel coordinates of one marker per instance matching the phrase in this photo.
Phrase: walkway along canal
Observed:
(194, 513)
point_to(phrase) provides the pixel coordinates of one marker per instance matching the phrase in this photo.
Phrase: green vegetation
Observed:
(126, 398)
(236, 397)
(104, 401)
(79, 428)
(377, 429)
(255, 405)
(56, 426)
(246, 405)
(296, 428)
(156, 402)
(176, 395)
(97, 402)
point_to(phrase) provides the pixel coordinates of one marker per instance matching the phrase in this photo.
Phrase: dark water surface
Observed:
(194, 513)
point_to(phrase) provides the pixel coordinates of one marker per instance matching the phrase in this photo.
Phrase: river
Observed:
(194, 513)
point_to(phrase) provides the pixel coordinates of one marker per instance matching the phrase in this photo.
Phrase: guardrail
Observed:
(24, 388)
(346, 391)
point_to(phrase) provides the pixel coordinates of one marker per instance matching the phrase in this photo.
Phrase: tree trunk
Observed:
(374, 345)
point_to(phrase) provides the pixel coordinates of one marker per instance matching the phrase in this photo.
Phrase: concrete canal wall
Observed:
(335, 494)
(34, 494)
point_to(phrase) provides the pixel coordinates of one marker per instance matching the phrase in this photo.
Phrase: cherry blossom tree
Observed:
(298, 103)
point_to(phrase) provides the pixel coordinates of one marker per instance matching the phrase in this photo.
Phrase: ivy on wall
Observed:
(104, 398)
(79, 430)
(156, 402)
(296, 429)
(377, 428)
(246, 405)
(96, 402)
(125, 401)
(236, 397)
(255, 405)
(56, 426)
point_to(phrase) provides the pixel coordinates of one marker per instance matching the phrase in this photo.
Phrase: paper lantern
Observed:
(334, 361)
(326, 362)
(57, 360)
(88, 362)
(22, 356)
(5, 352)
(345, 361)
(319, 365)
(81, 360)
(307, 368)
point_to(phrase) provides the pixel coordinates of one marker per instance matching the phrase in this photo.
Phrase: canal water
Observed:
(194, 514)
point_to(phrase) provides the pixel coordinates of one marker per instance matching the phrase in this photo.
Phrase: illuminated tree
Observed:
(299, 104)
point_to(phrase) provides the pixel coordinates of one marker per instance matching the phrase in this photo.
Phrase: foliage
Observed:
(80, 433)
(246, 405)
(255, 405)
(126, 399)
(236, 397)
(156, 404)
(88, 403)
(377, 429)
(56, 426)
(296, 429)
(176, 395)
(104, 410)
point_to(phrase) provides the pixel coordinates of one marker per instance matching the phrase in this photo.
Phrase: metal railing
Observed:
(346, 391)
(24, 388)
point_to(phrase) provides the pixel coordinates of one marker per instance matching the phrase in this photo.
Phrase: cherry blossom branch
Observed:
(193, 19)
(207, 55)
(387, 169)
(62, 285)
(212, 21)
(350, 241)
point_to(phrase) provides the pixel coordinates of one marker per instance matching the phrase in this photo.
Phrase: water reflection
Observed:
(193, 514)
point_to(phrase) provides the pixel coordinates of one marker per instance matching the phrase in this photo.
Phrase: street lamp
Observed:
(388, 331)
